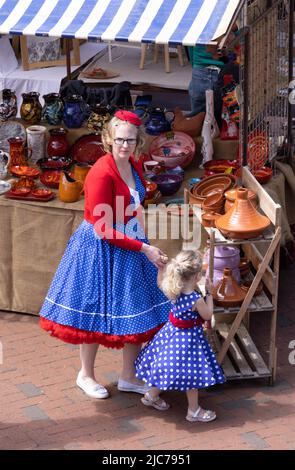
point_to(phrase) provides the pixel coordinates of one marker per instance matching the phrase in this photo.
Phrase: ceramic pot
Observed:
(231, 195)
(81, 171)
(227, 292)
(36, 138)
(76, 111)
(8, 104)
(52, 111)
(224, 257)
(19, 153)
(99, 116)
(31, 108)
(159, 121)
(69, 189)
(58, 145)
(242, 220)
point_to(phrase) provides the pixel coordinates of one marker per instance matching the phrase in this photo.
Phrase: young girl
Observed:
(179, 357)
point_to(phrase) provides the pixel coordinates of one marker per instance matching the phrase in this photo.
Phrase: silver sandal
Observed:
(157, 402)
(202, 415)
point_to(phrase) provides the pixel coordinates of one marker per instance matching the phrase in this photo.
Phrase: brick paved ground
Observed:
(41, 408)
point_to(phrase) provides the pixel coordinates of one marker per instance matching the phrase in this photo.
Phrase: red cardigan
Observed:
(102, 185)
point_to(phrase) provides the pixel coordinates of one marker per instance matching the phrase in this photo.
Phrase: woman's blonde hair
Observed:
(180, 270)
(108, 136)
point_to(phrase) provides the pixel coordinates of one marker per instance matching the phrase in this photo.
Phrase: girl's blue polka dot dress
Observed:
(100, 287)
(179, 358)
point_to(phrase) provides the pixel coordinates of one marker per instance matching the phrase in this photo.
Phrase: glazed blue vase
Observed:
(52, 111)
(76, 111)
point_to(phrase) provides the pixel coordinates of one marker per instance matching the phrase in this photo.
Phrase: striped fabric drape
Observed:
(186, 22)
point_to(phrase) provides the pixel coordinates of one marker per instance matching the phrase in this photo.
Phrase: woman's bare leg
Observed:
(130, 353)
(87, 356)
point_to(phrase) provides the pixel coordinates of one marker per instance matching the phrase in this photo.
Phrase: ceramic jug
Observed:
(58, 145)
(36, 137)
(76, 111)
(31, 108)
(80, 171)
(53, 109)
(8, 104)
(69, 189)
(19, 153)
(159, 121)
(4, 163)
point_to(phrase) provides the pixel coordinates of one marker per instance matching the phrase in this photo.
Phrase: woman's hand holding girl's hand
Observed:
(155, 255)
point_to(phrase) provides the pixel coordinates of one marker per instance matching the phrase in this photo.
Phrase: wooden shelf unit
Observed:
(237, 352)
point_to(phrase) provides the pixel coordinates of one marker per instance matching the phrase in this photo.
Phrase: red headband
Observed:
(128, 116)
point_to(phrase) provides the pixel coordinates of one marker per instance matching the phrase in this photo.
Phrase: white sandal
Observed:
(201, 415)
(156, 402)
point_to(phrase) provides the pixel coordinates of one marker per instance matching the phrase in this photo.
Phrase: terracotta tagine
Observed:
(224, 257)
(231, 195)
(227, 292)
(242, 220)
(69, 189)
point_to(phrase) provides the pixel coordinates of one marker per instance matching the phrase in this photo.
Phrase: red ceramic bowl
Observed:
(20, 191)
(22, 170)
(50, 178)
(151, 189)
(214, 167)
(263, 175)
(88, 149)
(41, 193)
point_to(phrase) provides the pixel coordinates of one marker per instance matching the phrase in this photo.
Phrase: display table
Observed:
(34, 235)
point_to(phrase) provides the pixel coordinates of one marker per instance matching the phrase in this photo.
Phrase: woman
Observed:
(105, 288)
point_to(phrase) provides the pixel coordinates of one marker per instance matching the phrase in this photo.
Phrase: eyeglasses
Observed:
(120, 141)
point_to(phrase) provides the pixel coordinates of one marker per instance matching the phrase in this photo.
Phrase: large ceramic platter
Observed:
(87, 149)
(10, 129)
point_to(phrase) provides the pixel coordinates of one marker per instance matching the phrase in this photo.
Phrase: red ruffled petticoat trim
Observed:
(68, 334)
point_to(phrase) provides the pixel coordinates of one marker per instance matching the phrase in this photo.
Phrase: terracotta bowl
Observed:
(193, 199)
(217, 182)
(263, 175)
(209, 219)
(244, 266)
(213, 200)
(247, 284)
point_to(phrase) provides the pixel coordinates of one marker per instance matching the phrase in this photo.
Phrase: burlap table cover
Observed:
(33, 237)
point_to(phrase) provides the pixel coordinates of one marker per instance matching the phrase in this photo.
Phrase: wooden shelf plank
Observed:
(253, 352)
(236, 353)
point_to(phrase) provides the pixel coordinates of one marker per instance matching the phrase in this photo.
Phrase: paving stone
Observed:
(34, 412)
(30, 390)
(255, 441)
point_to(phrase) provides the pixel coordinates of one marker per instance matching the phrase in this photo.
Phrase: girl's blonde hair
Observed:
(180, 270)
(108, 136)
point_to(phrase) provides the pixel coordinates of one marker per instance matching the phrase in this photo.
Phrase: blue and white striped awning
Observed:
(186, 22)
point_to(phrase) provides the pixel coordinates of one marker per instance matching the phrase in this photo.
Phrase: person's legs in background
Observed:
(203, 79)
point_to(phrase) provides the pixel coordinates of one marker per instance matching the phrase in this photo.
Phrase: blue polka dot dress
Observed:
(179, 358)
(102, 288)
